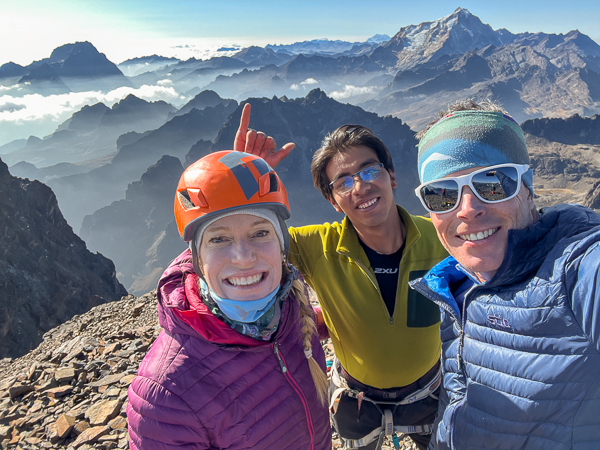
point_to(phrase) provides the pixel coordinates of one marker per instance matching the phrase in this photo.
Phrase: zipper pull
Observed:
(276, 351)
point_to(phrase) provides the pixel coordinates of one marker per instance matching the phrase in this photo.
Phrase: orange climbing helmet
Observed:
(225, 181)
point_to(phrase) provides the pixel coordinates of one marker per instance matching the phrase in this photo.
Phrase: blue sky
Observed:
(122, 29)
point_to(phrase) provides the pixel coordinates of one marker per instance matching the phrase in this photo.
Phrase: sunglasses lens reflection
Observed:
(440, 195)
(496, 185)
(492, 186)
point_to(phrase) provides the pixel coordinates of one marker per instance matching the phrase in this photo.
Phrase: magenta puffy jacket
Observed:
(202, 385)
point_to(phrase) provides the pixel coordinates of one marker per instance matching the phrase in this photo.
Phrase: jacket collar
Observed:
(350, 245)
(527, 249)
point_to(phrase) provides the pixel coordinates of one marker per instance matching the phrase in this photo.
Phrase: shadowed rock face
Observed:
(592, 198)
(573, 130)
(306, 121)
(47, 275)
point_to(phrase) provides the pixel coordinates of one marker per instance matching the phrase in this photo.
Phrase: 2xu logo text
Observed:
(386, 271)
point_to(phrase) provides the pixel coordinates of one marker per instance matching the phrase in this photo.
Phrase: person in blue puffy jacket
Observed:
(519, 295)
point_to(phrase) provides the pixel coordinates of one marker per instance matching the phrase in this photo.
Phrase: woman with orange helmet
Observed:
(238, 364)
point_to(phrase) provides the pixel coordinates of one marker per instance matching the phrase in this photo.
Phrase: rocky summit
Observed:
(71, 391)
(47, 275)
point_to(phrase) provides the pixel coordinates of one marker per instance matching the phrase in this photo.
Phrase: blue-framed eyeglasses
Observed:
(491, 185)
(343, 185)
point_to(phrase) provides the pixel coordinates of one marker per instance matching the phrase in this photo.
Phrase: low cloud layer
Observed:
(36, 106)
(350, 91)
(308, 83)
(19, 116)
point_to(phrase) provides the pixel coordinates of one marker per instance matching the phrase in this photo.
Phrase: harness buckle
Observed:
(386, 408)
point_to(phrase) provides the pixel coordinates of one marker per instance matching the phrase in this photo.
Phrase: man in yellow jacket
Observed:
(386, 338)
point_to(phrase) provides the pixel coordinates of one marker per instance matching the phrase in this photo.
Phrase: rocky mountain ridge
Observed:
(71, 391)
(92, 132)
(70, 67)
(455, 34)
(572, 130)
(47, 275)
(138, 233)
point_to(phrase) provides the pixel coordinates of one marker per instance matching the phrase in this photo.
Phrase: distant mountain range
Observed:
(92, 132)
(102, 159)
(326, 46)
(435, 63)
(138, 233)
(135, 153)
(71, 67)
(408, 75)
(137, 66)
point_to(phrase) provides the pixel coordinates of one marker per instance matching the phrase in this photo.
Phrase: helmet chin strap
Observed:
(196, 259)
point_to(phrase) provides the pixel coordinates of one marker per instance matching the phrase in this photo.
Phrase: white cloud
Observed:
(309, 81)
(9, 88)
(59, 107)
(351, 91)
(306, 83)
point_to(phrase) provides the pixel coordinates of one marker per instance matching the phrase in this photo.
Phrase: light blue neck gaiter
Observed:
(247, 311)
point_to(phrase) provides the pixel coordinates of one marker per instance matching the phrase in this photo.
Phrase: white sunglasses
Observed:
(492, 184)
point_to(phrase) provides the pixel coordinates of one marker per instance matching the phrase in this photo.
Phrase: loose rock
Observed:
(71, 391)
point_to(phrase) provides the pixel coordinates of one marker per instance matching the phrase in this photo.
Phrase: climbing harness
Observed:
(385, 407)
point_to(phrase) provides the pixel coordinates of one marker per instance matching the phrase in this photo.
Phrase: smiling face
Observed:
(367, 205)
(240, 257)
(476, 233)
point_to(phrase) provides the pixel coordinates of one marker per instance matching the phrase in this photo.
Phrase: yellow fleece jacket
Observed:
(376, 349)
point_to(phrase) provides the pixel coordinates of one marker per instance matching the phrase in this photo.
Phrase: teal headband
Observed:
(475, 138)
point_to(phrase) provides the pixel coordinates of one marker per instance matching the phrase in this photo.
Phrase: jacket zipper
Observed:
(298, 390)
(460, 322)
(433, 296)
(462, 331)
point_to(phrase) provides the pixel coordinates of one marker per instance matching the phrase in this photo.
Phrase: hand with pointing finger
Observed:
(258, 143)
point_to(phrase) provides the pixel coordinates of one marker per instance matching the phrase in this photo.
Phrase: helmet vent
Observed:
(184, 198)
(273, 182)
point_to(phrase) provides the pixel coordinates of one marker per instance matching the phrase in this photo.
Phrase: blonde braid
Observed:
(309, 328)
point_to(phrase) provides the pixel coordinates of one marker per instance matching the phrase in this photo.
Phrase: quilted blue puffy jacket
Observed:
(521, 352)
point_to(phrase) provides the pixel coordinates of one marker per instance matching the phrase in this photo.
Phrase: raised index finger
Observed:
(239, 144)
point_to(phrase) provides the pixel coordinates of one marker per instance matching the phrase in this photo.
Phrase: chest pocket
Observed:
(421, 312)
